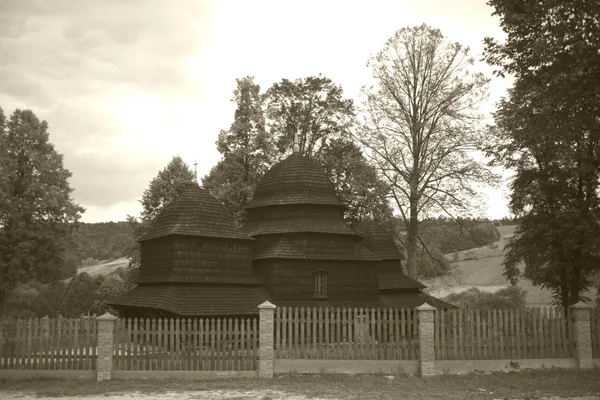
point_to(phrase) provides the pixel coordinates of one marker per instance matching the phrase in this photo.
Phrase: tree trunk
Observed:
(411, 242)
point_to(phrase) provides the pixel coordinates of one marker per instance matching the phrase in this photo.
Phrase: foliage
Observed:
(246, 148)
(163, 188)
(548, 131)
(448, 235)
(421, 123)
(511, 297)
(36, 210)
(313, 109)
(101, 241)
(83, 295)
(80, 293)
(355, 180)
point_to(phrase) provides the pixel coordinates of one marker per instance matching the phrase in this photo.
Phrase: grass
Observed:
(106, 268)
(482, 268)
(525, 384)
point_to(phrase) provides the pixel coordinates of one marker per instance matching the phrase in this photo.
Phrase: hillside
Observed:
(106, 268)
(482, 268)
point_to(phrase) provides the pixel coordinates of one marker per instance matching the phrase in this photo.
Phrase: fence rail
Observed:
(466, 334)
(48, 343)
(346, 333)
(186, 344)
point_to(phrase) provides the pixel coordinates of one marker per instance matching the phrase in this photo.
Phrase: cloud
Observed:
(127, 84)
(77, 64)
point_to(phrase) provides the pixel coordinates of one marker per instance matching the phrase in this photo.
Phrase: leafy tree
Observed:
(421, 123)
(79, 296)
(356, 181)
(36, 210)
(548, 131)
(164, 187)
(507, 298)
(246, 148)
(312, 108)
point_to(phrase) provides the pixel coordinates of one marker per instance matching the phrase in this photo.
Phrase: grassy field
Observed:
(482, 268)
(106, 268)
(525, 384)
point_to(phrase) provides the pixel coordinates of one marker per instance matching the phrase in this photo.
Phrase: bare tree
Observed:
(422, 126)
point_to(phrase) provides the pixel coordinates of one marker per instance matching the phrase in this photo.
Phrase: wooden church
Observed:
(294, 249)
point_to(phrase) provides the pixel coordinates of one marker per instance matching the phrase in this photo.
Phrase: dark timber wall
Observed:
(196, 259)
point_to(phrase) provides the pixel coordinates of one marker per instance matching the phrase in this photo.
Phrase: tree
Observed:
(356, 181)
(548, 132)
(36, 210)
(512, 297)
(247, 151)
(79, 296)
(164, 187)
(420, 124)
(312, 108)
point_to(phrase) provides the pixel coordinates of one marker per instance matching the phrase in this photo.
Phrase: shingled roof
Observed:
(379, 241)
(194, 300)
(413, 299)
(295, 180)
(397, 280)
(284, 248)
(323, 225)
(195, 213)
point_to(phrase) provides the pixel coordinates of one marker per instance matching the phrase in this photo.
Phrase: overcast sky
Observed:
(126, 85)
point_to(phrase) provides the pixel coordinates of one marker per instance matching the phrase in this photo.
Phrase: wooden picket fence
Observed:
(346, 333)
(186, 344)
(596, 332)
(48, 343)
(467, 334)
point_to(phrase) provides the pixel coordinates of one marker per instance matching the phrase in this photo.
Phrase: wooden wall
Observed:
(156, 259)
(195, 259)
(293, 280)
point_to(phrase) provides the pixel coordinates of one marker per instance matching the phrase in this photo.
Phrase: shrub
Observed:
(510, 297)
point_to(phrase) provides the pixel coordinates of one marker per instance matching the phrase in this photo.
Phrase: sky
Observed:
(125, 85)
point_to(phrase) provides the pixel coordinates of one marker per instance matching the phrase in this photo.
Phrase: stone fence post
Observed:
(106, 334)
(265, 336)
(582, 334)
(426, 340)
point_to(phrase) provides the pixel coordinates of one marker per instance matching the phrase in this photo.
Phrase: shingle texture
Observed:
(295, 180)
(194, 300)
(327, 225)
(196, 213)
(379, 241)
(284, 248)
(397, 280)
(412, 299)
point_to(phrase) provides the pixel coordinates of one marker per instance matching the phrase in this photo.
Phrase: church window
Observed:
(320, 278)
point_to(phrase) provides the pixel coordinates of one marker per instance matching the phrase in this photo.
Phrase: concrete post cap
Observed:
(581, 304)
(107, 316)
(267, 304)
(426, 307)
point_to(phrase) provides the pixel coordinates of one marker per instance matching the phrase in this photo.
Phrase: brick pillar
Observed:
(265, 336)
(582, 334)
(426, 340)
(106, 334)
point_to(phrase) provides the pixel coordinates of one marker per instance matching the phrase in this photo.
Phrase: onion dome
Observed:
(379, 241)
(194, 213)
(295, 180)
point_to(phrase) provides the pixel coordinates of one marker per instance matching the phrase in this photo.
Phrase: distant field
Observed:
(482, 268)
(105, 269)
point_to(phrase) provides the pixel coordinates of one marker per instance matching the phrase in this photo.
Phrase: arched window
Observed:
(320, 284)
